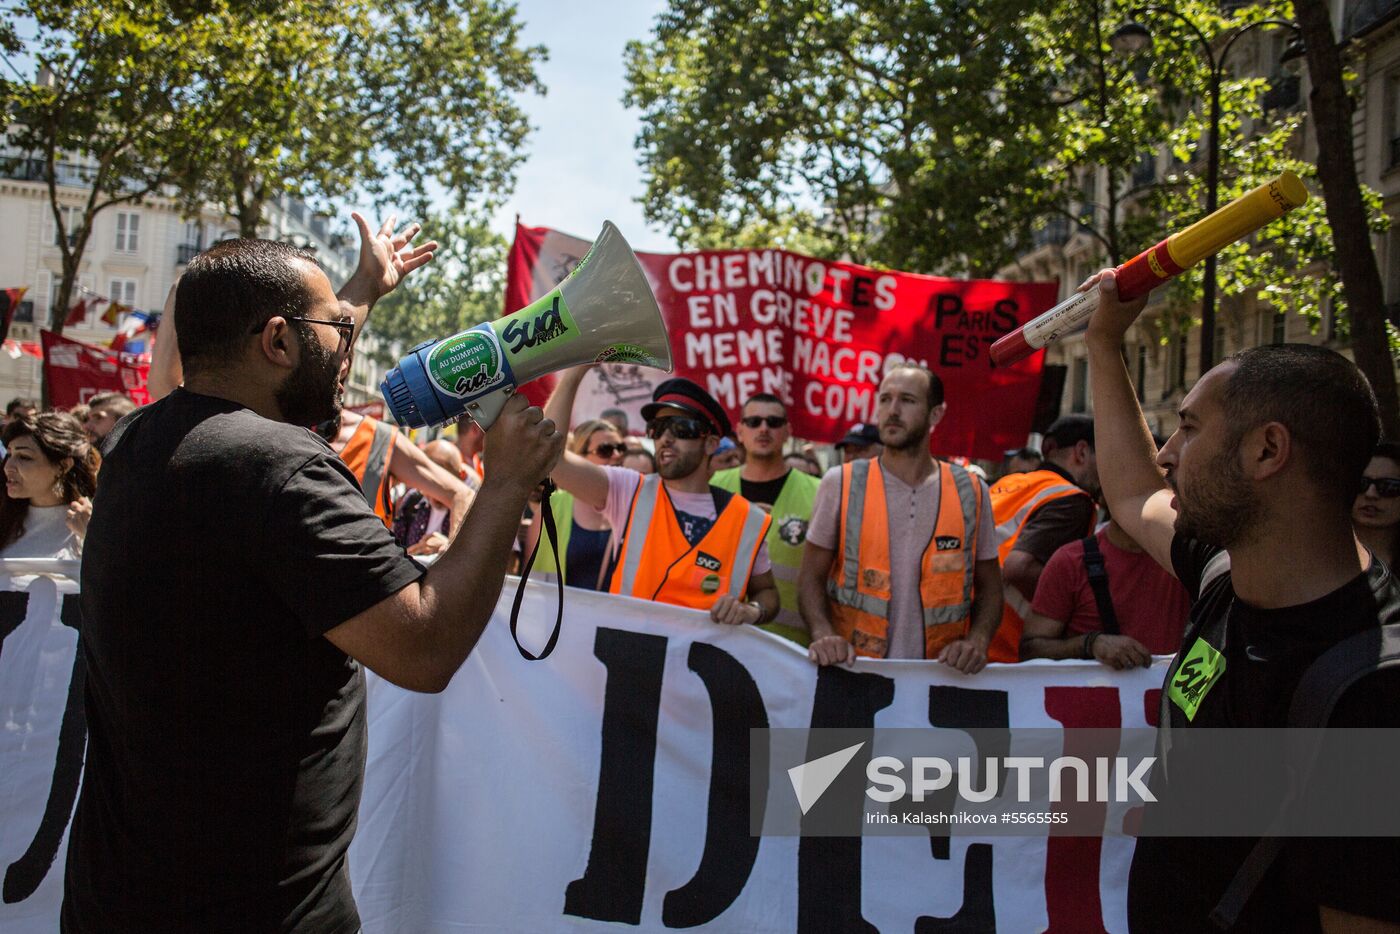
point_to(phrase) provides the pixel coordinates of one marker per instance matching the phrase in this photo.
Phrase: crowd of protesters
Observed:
(1100, 542)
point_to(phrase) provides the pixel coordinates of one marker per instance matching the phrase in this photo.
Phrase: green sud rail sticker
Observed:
(538, 327)
(1199, 671)
(626, 353)
(467, 365)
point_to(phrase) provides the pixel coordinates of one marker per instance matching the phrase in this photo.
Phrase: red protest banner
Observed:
(76, 372)
(817, 334)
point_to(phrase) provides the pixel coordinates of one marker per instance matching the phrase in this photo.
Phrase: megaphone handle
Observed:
(547, 516)
(485, 410)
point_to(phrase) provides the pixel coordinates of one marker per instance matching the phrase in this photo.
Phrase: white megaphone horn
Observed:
(603, 312)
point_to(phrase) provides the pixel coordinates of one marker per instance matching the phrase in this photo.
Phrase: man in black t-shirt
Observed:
(1253, 516)
(224, 692)
(786, 494)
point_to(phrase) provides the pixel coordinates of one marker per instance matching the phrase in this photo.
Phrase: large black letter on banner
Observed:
(985, 711)
(730, 850)
(24, 875)
(828, 868)
(615, 881)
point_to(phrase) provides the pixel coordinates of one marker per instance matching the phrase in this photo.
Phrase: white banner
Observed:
(609, 783)
(42, 738)
(588, 788)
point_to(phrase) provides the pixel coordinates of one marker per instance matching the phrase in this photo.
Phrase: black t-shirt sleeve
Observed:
(1054, 525)
(329, 557)
(1189, 560)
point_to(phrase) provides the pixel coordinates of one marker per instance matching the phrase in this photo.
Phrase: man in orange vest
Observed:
(900, 560)
(682, 541)
(380, 457)
(1036, 513)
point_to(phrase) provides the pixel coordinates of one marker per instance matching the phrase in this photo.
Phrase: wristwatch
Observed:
(757, 606)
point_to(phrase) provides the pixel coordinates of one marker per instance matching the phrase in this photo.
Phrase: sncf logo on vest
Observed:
(708, 562)
(948, 542)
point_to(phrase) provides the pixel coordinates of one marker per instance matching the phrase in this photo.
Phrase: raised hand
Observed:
(386, 257)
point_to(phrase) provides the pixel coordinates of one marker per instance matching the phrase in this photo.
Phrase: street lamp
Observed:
(1134, 37)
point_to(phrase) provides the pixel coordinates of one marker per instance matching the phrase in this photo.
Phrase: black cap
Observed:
(1068, 430)
(680, 393)
(861, 434)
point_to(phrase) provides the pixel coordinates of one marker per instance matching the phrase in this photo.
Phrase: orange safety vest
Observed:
(367, 454)
(859, 584)
(1015, 498)
(657, 563)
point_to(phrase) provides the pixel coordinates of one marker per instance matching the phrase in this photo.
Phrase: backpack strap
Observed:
(1317, 694)
(1098, 582)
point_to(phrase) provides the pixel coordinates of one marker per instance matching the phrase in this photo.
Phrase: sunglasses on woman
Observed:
(772, 421)
(1386, 487)
(608, 450)
(681, 427)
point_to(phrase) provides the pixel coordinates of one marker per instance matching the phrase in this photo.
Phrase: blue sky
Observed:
(581, 168)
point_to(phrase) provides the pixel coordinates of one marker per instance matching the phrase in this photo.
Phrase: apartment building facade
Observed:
(134, 255)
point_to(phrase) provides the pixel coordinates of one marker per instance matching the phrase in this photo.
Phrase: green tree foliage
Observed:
(940, 136)
(395, 102)
(236, 102)
(121, 93)
(461, 287)
(853, 123)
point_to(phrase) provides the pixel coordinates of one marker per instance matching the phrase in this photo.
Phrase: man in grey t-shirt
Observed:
(955, 630)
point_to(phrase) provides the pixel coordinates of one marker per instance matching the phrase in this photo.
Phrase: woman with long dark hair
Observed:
(50, 477)
(1376, 513)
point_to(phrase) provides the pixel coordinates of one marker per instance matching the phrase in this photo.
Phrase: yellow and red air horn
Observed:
(1151, 268)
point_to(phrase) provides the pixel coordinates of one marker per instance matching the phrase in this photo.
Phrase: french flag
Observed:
(134, 324)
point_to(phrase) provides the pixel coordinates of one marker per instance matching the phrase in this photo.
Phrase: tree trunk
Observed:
(1354, 257)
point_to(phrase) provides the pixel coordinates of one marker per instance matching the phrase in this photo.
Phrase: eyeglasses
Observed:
(608, 450)
(344, 324)
(1386, 487)
(772, 421)
(681, 427)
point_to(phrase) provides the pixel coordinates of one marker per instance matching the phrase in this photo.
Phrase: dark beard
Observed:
(1221, 510)
(916, 439)
(311, 393)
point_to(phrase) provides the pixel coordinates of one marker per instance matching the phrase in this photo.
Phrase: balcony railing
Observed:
(70, 174)
(186, 252)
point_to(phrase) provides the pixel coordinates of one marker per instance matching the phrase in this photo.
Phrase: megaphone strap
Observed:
(547, 515)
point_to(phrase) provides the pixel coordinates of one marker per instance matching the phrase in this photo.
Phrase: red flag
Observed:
(9, 301)
(76, 314)
(76, 372)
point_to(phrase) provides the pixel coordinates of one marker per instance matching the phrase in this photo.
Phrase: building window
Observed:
(1142, 372)
(124, 291)
(1392, 93)
(1280, 328)
(1079, 388)
(1218, 343)
(128, 232)
(72, 220)
(1174, 373)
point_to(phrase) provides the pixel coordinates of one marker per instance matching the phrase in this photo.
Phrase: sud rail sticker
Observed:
(469, 364)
